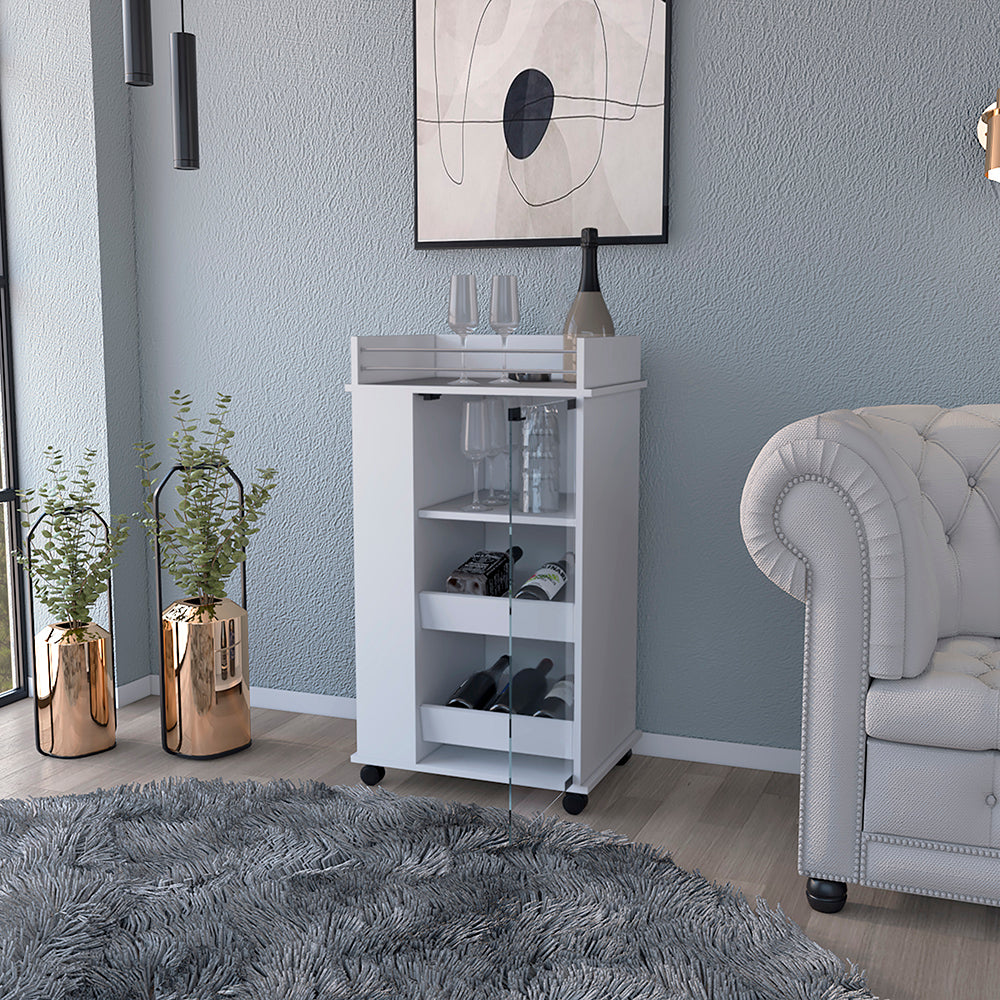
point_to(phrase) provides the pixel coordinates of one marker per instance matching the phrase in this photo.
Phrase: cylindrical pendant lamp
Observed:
(137, 28)
(182, 48)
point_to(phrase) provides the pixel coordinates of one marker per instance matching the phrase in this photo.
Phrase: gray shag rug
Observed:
(191, 890)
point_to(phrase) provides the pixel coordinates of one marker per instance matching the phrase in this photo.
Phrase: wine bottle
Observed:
(547, 581)
(477, 691)
(485, 574)
(525, 691)
(558, 702)
(588, 315)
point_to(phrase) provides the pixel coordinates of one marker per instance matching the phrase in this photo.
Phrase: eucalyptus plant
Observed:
(72, 560)
(204, 539)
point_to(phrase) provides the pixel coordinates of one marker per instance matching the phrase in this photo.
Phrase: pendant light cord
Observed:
(182, 15)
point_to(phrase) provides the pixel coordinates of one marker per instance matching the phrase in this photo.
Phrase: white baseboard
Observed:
(719, 752)
(299, 701)
(649, 745)
(260, 697)
(137, 690)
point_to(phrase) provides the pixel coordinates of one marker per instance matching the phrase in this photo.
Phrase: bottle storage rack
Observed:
(550, 621)
(416, 642)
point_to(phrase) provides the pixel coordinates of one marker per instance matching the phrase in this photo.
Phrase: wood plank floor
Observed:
(734, 825)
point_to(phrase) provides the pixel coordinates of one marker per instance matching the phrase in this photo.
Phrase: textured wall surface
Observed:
(829, 240)
(68, 175)
(829, 237)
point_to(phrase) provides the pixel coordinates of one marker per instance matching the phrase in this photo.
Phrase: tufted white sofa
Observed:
(885, 521)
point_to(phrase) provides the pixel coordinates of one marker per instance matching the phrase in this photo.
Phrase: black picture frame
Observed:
(436, 236)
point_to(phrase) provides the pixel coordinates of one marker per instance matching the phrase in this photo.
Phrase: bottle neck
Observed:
(500, 666)
(588, 275)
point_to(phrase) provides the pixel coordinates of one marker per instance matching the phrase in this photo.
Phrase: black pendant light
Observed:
(182, 51)
(137, 27)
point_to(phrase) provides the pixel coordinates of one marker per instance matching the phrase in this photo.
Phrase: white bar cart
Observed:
(415, 642)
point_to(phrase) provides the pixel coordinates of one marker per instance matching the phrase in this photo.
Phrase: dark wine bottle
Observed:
(477, 691)
(588, 315)
(558, 702)
(525, 691)
(485, 574)
(547, 581)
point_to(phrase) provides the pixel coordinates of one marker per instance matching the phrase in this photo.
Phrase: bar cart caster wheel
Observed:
(372, 774)
(625, 759)
(574, 803)
(826, 896)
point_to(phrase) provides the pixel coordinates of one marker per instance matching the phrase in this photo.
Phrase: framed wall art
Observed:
(536, 118)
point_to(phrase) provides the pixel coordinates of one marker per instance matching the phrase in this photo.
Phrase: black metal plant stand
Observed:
(159, 599)
(65, 511)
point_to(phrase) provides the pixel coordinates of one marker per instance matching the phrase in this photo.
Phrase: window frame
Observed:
(20, 641)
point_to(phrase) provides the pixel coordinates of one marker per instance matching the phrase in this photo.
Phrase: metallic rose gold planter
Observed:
(206, 691)
(74, 691)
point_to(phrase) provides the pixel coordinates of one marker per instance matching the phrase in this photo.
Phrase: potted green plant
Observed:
(205, 708)
(68, 570)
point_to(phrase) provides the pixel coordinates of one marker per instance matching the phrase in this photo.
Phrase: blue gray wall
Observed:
(832, 243)
(68, 175)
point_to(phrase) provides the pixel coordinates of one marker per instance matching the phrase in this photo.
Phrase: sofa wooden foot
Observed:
(827, 897)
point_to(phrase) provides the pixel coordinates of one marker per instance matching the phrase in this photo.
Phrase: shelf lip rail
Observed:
(595, 362)
(465, 351)
(469, 350)
(489, 371)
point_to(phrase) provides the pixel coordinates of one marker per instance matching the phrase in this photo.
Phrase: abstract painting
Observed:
(537, 118)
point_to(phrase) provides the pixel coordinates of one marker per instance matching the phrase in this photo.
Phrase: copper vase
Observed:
(74, 690)
(206, 692)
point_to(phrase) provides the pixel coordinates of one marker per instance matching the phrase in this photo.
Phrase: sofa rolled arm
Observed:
(832, 518)
(839, 451)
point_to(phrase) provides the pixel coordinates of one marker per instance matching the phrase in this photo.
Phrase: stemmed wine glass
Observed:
(505, 315)
(463, 315)
(496, 436)
(475, 444)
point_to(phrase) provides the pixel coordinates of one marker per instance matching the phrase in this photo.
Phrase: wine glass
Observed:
(505, 315)
(496, 436)
(475, 444)
(463, 315)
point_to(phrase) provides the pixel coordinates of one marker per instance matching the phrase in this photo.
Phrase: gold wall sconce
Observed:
(988, 131)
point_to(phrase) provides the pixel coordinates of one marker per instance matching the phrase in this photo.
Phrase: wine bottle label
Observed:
(486, 574)
(562, 689)
(550, 579)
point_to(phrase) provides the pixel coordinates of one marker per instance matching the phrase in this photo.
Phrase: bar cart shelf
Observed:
(415, 642)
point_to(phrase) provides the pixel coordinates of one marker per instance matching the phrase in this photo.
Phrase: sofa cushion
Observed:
(929, 793)
(954, 703)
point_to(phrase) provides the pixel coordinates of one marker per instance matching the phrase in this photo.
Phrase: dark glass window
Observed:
(13, 641)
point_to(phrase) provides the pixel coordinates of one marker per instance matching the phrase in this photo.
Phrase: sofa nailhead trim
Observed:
(936, 845)
(866, 616)
(931, 845)
(937, 894)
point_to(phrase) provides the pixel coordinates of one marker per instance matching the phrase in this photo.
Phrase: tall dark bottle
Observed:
(525, 691)
(588, 316)
(478, 690)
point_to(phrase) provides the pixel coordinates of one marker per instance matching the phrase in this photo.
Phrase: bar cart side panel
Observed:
(606, 582)
(384, 605)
